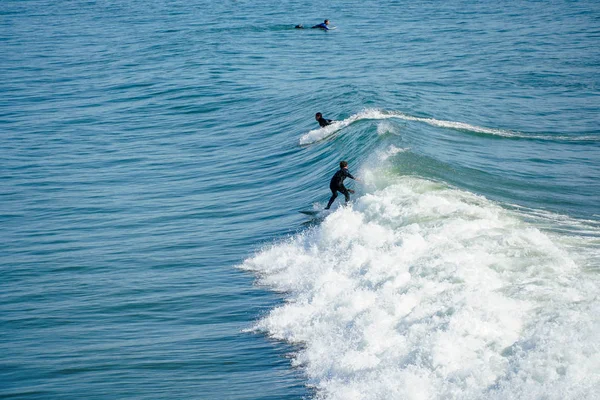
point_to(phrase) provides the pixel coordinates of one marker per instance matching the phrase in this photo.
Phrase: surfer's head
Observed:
(318, 116)
(343, 164)
(326, 22)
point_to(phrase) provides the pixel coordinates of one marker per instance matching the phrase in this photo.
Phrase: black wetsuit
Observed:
(337, 185)
(324, 122)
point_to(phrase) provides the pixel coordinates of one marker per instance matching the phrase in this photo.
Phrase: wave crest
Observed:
(317, 135)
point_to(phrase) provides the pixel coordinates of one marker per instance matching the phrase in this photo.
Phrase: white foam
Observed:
(389, 152)
(420, 291)
(385, 127)
(322, 133)
(458, 125)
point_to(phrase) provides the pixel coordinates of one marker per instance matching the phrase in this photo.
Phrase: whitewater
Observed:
(419, 290)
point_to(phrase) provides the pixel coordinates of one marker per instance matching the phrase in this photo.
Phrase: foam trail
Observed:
(319, 134)
(322, 133)
(420, 291)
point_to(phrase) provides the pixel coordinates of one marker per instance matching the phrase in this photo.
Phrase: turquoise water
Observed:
(155, 156)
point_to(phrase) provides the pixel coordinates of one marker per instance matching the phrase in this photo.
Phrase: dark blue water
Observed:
(155, 155)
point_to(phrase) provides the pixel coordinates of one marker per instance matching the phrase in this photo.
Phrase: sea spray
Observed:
(423, 291)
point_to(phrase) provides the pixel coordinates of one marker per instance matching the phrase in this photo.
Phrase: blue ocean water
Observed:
(155, 156)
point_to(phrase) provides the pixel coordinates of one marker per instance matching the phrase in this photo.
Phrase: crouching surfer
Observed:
(337, 184)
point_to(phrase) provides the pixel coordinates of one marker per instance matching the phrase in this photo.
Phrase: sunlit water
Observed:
(155, 156)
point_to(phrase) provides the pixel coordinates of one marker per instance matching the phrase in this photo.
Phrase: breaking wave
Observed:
(317, 135)
(421, 291)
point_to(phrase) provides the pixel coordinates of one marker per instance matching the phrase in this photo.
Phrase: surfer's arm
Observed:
(349, 175)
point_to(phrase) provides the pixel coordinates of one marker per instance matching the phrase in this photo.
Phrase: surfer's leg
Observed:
(331, 200)
(346, 194)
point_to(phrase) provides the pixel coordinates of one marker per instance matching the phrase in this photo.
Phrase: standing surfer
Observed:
(337, 184)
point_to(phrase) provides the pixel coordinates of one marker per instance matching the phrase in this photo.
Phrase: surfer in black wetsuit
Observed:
(322, 121)
(337, 184)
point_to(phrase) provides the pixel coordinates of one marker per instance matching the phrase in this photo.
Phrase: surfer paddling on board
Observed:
(322, 121)
(322, 25)
(337, 184)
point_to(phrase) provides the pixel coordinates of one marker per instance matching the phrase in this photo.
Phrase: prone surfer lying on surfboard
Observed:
(322, 121)
(337, 184)
(323, 25)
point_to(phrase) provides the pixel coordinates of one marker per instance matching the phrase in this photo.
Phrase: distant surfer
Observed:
(337, 184)
(323, 25)
(322, 121)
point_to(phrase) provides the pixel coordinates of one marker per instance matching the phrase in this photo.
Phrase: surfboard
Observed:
(312, 213)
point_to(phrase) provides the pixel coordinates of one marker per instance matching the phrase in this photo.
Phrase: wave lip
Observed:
(317, 135)
(420, 291)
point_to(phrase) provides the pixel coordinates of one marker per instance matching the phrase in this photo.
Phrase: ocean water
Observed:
(155, 156)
